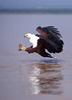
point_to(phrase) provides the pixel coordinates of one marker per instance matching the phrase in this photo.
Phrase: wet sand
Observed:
(22, 75)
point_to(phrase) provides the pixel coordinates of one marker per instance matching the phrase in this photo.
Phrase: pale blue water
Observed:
(22, 74)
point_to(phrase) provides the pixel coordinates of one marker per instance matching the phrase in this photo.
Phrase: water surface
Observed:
(22, 74)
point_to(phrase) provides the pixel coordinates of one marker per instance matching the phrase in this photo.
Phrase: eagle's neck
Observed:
(34, 40)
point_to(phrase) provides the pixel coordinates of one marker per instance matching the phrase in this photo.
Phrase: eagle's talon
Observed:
(21, 47)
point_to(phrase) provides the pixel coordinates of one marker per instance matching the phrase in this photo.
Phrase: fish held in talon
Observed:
(21, 47)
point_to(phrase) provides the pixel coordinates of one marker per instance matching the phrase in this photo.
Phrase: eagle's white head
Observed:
(32, 38)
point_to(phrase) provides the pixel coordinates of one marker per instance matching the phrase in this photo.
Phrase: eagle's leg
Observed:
(29, 49)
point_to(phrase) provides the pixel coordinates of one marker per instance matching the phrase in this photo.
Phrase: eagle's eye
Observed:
(26, 35)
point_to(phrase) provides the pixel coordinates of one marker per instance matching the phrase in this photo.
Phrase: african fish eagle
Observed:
(38, 45)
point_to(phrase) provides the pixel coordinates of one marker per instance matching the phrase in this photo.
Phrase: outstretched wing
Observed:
(54, 31)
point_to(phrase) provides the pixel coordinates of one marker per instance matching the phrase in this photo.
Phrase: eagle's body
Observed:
(37, 45)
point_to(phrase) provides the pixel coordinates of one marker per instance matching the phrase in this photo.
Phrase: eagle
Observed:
(38, 45)
(50, 42)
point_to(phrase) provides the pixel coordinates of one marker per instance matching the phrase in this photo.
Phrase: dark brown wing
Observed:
(41, 48)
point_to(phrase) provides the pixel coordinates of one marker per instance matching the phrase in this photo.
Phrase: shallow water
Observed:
(24, 75)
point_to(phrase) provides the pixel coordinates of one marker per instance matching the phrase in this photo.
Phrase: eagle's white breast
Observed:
(34, 40)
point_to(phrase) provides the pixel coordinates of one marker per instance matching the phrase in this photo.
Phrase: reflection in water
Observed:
(46, 78)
